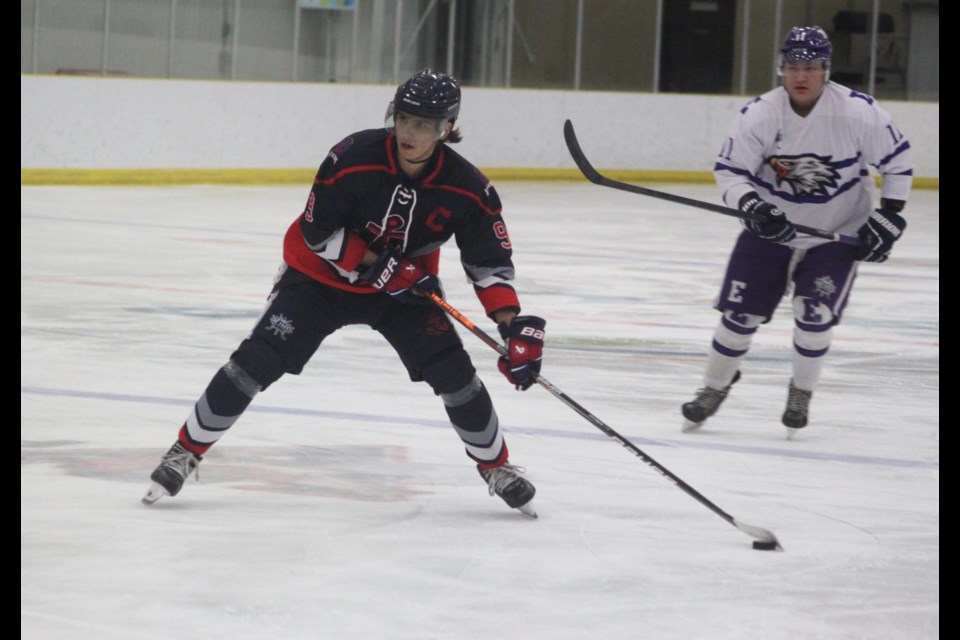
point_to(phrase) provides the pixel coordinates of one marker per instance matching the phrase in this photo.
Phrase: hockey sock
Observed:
(731, 341)
(809, 351)
(222, 403)
(473, 417)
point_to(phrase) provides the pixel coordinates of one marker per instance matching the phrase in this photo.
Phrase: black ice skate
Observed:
(797, 413)
(168, 478)
(706, 403)
(505, 481)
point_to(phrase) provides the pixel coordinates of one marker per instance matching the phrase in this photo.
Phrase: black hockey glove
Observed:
(399, 277)
(770, 223)
(877, 235)
(524, 338)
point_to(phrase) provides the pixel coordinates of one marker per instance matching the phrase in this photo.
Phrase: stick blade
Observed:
(573, 146)
(763, 538)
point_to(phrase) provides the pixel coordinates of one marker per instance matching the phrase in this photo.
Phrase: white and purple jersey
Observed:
(815, 168)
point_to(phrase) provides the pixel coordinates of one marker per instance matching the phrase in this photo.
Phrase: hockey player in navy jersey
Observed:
(801, 154)
(366, 244)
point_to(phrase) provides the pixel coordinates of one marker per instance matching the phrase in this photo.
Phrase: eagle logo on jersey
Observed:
(393, 227)
(395, 223)
(807, 175)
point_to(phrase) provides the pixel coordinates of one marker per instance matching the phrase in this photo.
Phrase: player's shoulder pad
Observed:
(751, 104)
(765, 103)
(858, 97)
(850, 98)
(465, 175)
(488, 192)
(760, 110)
(356, 145)
(336, 151)
(861, 105)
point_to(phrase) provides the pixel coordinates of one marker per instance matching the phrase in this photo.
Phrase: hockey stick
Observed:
(594, 176)
(764, 539)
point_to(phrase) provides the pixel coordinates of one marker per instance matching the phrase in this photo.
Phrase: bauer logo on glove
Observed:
(400, 278)
(387, 272)
(877, 235)
(524, 337)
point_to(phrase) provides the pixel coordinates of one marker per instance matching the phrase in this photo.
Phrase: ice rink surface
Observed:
(342, 506)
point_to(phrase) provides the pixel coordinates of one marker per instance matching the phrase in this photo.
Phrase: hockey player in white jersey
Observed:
(800, 154)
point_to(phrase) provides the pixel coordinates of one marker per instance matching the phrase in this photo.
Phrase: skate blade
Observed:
(528, 510)
(154, 493)
(689, 426)
(791, 432)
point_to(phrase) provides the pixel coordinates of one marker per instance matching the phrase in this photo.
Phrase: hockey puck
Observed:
(764, 545)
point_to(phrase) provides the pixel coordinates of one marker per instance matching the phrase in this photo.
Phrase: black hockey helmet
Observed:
(429, 94)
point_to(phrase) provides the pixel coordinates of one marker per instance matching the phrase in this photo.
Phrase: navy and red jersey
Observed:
(362, 200)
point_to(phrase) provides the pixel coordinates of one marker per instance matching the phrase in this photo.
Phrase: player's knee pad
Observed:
(741, 322)
(465, 395)
(223, 401)
(255, 361)
(471, 412)
(241, 379)
(812, 315)
(812, 344)
(449, 372)
(735, 332)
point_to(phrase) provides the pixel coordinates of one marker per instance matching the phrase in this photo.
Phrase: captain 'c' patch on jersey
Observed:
(807, 175)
